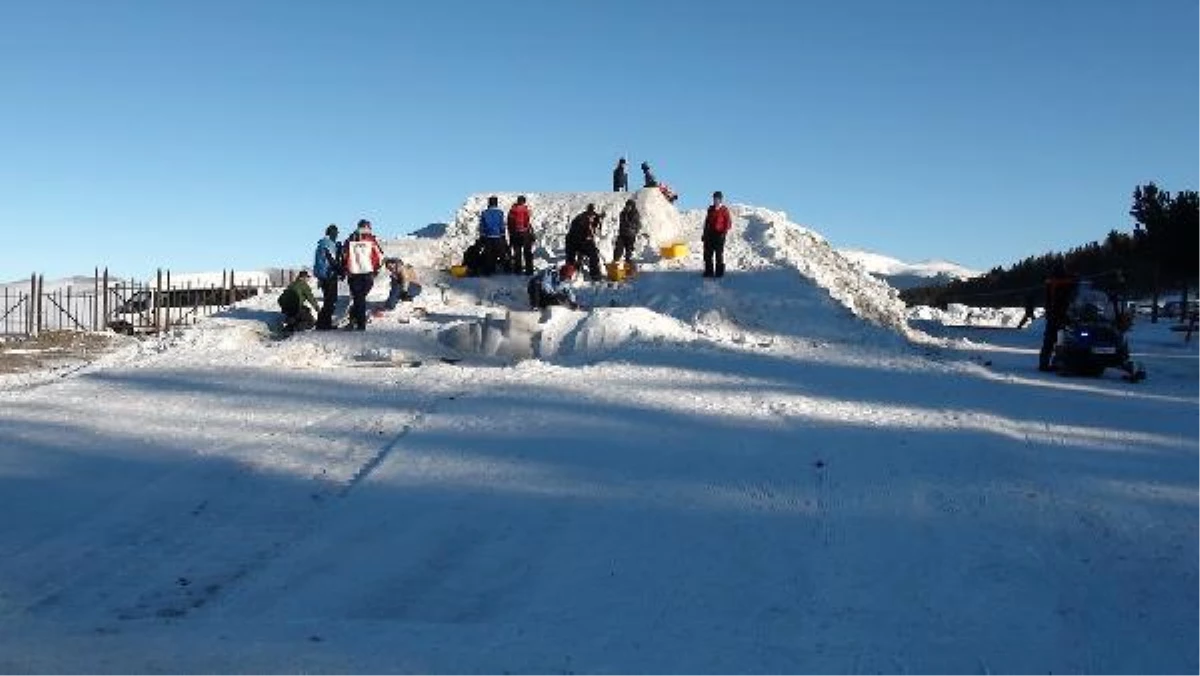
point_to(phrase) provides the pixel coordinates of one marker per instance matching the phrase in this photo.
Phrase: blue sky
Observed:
(206, 134)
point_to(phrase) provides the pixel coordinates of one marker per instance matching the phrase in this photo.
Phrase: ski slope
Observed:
(771, 472)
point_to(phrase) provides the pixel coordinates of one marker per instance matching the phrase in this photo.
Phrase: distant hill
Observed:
(901, 275)
(432, 230)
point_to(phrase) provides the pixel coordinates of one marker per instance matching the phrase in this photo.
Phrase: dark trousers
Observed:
(624, 244)
(521, 246)
(587, 249)
(300, 320)
(329, 296)
(714, 255)
(360, 286)
(1049, 338)
(495, 256)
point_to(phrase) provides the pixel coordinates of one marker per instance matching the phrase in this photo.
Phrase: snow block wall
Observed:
(551, 215)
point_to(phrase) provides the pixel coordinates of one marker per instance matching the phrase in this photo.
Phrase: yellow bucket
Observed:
(616, 271)
(458, 270)
(676, 250)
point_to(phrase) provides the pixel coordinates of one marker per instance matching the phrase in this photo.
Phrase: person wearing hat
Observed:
(327, 268)
(296, 314)
(581, 241)
(648, 180)
(620, 177)
(361, 259)
(552, 286)
(717, 223)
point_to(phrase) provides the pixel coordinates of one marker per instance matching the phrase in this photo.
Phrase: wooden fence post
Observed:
(41, 286)
(104, 319)
(157, 302)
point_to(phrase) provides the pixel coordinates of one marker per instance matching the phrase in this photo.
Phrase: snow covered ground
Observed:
(773, 472)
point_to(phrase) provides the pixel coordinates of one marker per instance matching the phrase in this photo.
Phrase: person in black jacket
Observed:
(620, 177)
(581, 241)
(629, 225)
(1060, 289)
(648, 180)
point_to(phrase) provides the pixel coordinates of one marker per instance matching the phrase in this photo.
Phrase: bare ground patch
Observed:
(53, 349)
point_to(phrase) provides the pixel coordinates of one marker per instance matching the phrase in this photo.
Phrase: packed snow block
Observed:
(522, 327)
(492, 333)
(660, 219)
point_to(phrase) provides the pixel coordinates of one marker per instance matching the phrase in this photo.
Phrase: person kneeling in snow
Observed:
(401, 276)
(552, 286)
(296, 315)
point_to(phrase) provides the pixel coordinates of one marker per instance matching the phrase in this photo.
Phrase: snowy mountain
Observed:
(770, 472)
(903, 275)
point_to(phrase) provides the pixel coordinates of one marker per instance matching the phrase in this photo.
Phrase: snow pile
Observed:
(957, 314)
(784, 242)
(551, 215)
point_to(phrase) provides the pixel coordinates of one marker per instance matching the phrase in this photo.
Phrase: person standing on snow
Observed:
(361, 259)
(629, 225)
(553, 287)
(1060, 288)
(716, 225)
(620, 177)
(491, 230)
(520, 237)
(327, 268)
(581, 241)
(296, 313)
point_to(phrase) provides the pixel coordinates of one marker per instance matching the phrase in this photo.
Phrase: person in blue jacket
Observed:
(552, 286)
(328, 270)
(491, 231)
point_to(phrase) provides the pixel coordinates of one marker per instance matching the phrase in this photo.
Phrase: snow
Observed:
(879, 264)
(772, 472)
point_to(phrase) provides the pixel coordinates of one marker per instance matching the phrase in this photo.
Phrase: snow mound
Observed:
(551, 215)
(785, 243)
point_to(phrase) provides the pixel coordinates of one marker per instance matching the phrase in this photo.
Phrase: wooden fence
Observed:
(126, 306)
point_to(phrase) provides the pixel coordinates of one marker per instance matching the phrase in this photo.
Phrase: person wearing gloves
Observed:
(295, 302)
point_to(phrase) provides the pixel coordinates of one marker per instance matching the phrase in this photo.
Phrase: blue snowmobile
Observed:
(1093, 338)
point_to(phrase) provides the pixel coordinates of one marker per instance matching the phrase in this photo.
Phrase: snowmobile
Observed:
(1093, 337)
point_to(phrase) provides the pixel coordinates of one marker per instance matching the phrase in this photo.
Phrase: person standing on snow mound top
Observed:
(648, 180)
(520, 237)
(553, 287)
(620, 177)
(1060, 288)
(327, 268)
(629, 225)
(491, 230)
(361, 259)
(717, 223)
(295, 301)
(581, 241)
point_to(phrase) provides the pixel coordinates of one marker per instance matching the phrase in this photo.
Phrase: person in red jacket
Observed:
(716, 224)
(361, 260)
(520, 237)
